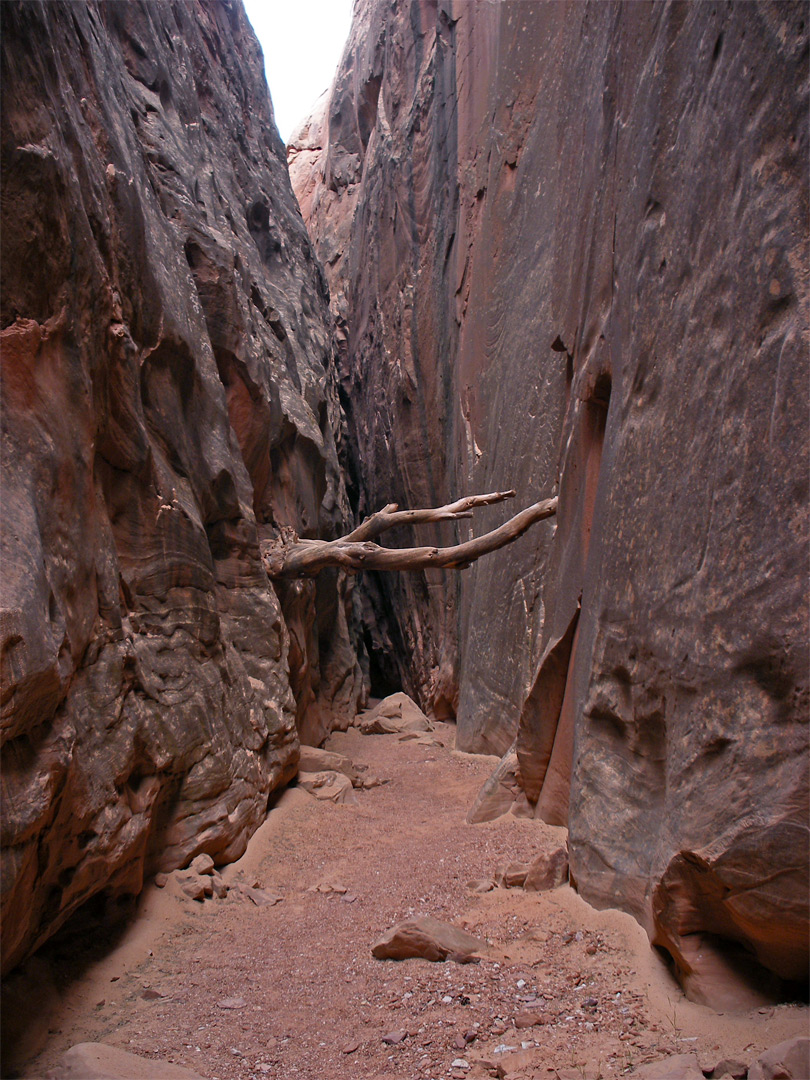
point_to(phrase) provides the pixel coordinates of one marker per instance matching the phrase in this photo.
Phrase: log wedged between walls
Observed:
(567, 253)
(168, 402)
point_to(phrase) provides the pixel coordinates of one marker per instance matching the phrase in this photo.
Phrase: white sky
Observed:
(302, 41)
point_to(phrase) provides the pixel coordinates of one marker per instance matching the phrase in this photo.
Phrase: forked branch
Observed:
(305, 558)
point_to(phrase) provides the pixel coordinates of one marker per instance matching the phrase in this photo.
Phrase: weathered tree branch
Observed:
(305, 558)
(390, 516)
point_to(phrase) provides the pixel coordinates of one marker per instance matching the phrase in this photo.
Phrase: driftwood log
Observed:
(292, 557)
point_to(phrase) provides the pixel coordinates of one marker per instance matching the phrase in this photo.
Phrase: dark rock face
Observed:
(167, 404)
(569, 244)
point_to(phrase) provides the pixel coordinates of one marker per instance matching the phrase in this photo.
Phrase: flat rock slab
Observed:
(314, 759)
(95, 1061)
(428, 939)
(328, 887)
(330, 786)
(232, 1003)
(547, 870)
(737, 1070)
(677, 1067)
(257, 896)
(394, 715)
(789, 1060)
(421, 739)
(499, 792)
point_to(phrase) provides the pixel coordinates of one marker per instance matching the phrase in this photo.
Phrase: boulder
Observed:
(394, 715)
(314, 759)
(331, 786)
(729, 1067)
(428, 939)
(789, 1060)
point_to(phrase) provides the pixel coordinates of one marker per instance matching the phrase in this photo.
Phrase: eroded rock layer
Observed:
(568, 247)
(167, 405)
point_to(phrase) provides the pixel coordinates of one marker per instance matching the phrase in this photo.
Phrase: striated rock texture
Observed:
(568, 247)
(167, 405)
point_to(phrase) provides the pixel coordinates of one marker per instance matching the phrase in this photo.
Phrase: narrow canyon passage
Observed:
(552, 250)
(234, 991)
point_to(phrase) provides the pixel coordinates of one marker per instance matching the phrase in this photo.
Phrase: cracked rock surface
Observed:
(568, 247)
(167, 406)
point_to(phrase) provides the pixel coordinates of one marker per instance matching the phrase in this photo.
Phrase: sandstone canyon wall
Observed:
(567, 250)
(168, 406)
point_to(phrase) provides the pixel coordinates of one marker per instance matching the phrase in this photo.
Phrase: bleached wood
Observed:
(305, 558)
(391, 516)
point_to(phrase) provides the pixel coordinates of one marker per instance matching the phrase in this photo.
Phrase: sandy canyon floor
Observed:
(236, 991)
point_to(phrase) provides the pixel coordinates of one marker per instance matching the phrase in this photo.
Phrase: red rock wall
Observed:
(168, 403)
(568, 244)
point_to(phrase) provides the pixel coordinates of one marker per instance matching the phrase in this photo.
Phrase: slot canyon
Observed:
(559, 248)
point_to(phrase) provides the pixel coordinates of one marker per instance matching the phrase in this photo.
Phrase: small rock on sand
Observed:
(260, 897)
(428, 939)
(328, 887)
(512, 875)
(481, 885)
(195, 886)
(547, 870)
(530, 1018)
(393, 1038)
(202, 864)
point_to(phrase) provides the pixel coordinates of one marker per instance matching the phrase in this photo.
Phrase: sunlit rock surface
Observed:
(568, 245)
(167, 406)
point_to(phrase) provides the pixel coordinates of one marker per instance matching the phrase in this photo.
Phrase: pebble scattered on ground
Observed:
(278, 971)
